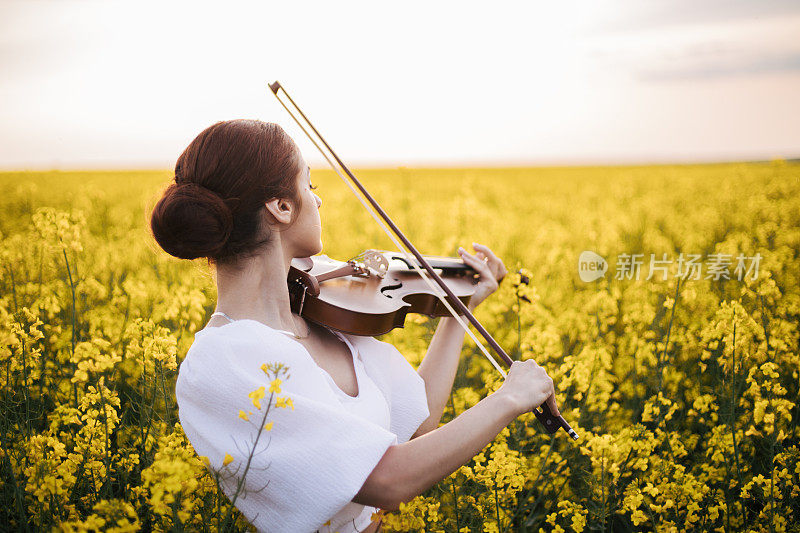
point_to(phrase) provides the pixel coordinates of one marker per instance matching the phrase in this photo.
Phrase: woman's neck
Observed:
(256, 289)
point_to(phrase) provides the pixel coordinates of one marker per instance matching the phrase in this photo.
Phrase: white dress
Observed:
(306, 470)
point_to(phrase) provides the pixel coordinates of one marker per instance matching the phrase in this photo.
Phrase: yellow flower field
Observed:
(684, 390)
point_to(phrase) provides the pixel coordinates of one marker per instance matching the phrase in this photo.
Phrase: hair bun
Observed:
(190, 221)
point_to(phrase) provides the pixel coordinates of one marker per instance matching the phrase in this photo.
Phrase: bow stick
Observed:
(551, 422)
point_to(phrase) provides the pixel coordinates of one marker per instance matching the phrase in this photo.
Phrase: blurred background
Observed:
(88, 84)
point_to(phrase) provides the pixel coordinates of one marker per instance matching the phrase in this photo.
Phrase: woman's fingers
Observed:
(480, 266)
(486, 251)
(495, 263)
(489, 267)
(551, 403)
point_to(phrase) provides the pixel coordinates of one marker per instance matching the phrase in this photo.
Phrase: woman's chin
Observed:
(308, 252)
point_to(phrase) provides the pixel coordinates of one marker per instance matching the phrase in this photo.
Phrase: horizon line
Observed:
(464, 164)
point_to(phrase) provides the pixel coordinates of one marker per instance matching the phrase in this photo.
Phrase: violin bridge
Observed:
(371, 262)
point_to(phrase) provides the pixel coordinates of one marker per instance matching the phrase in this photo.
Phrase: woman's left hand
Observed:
(488, 266)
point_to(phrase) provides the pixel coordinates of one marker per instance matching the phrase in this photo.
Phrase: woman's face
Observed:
(307, 229)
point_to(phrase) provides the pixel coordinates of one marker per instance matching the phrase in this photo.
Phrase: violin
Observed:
(372, 293)
(308, 278)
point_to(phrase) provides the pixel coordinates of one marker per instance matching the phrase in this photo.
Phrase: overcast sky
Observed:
(113, 84)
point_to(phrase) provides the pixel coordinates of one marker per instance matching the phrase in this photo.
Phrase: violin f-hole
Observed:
(385, 290)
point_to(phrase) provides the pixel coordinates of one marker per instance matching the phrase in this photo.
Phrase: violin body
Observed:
(372, 293)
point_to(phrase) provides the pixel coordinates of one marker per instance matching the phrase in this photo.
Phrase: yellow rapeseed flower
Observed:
(256, 396)
(243, 415)
(228, 459)
(268, 426)
(284, 402)
(275, 386)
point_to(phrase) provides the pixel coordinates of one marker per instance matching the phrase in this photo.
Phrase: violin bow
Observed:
(550, 422)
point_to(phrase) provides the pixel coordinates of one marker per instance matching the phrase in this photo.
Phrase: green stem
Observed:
(240, 481)
(74, 310)
(25, 391)
(603, 488)
(74, 321)
(106, 458)
(733, 403)
(455, 501)
(497, 506)
(164, 392)
(662, 360)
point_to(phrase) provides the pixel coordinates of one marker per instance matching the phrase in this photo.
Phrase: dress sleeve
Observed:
(310, 463)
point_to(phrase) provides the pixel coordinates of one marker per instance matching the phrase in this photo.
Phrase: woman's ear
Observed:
(281, 210)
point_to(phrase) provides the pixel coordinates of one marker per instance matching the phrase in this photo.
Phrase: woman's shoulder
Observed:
(243, 339)
(238, 331)
(235, 352)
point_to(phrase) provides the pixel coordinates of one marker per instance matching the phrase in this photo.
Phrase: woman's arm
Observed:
(408, 469)
(438, 370)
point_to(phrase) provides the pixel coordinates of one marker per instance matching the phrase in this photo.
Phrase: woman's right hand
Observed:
(528, 386)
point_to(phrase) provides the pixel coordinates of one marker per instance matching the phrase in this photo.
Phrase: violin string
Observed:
(409, 258)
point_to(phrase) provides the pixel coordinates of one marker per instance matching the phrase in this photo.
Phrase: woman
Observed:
(363, 429)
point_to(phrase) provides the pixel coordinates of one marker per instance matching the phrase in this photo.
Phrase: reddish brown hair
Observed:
(215, 208)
